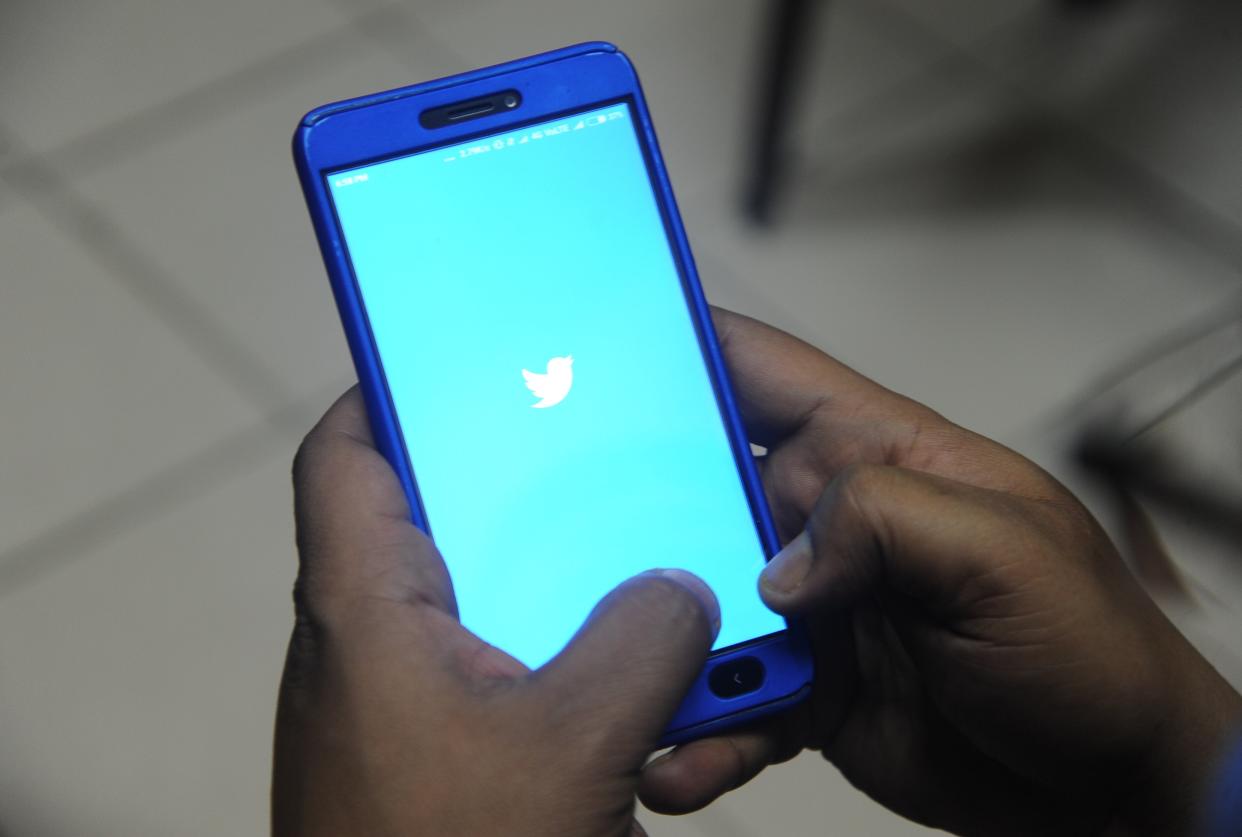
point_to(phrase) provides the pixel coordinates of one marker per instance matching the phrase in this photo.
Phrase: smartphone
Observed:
(539, 363)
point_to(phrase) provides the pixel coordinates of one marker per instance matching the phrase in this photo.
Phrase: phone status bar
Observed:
(540, 134)
(535, 134)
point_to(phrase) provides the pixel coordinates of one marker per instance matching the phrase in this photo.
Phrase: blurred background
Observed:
(1025, 213)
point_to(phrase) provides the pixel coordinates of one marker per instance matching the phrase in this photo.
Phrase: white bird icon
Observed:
(551, 387)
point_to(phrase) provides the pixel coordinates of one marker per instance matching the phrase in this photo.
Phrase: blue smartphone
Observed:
(538, 360)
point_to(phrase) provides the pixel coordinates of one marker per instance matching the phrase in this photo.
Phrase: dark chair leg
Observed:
(789, 25)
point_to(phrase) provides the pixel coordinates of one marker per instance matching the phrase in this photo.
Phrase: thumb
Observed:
(917, 534)
(354, 535)
(626, 671)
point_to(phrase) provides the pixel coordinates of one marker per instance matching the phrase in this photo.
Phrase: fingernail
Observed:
(663, 758)
(701, 591)
(789, 568)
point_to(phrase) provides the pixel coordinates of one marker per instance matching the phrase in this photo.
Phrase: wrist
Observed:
(1173, 781)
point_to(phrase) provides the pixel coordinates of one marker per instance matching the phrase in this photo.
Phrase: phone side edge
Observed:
(371, 382)
(701, 310)
(795, 682)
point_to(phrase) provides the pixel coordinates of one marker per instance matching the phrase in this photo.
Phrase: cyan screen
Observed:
(553, 397)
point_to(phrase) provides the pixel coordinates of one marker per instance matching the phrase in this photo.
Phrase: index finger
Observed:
(781, 382)
(785, 387)
(354, 533)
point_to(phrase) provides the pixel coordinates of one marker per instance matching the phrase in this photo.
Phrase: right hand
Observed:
(985, 662)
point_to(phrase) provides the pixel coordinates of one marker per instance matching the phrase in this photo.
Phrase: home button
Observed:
(736, 677)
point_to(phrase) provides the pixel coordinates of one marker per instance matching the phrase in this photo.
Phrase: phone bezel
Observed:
(387, 126)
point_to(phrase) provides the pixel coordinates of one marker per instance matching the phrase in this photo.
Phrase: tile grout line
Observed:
(41, 180)
(412, 30)
(1163, 200)
(151, 126)
(202, 104)
(1196, 222)
(135, 271)
(44, 182)
(957, 61)
(1201, 226)
(169, 489)
(861, 109)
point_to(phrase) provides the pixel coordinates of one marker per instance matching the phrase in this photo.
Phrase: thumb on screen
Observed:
(626, 671)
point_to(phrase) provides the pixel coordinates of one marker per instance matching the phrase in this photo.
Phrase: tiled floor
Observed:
(990, 204)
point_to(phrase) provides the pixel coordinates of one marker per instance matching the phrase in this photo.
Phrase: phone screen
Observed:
(555, 404)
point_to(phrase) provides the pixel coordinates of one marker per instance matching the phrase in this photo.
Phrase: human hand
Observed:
(985, 663)
(394, 719)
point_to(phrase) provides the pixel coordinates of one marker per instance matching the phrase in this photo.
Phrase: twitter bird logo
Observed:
(551, 387)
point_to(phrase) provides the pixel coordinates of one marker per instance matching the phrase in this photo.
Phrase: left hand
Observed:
(394, 719)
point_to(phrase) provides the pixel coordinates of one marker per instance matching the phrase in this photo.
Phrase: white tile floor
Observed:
(110, 403)
(989, 205)
(71, 69)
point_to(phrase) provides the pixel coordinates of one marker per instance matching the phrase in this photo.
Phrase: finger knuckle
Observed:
(309, 455)
(308, 605)
(855, 499)
(301, 463)
(861, 480)
(307, 640)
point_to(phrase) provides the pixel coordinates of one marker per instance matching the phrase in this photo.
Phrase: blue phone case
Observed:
(369, 128)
